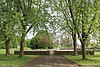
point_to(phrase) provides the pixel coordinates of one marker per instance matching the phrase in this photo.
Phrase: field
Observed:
(90, 60)
(13, 60)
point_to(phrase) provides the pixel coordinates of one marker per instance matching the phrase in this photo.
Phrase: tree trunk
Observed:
(22, 42)
(83, 50)
(7, 43)
(75, 44)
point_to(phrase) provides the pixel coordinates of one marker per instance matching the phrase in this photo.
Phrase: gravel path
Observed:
(50, 61)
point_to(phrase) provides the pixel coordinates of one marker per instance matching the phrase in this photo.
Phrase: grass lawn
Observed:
(91, 59)
(13, 60)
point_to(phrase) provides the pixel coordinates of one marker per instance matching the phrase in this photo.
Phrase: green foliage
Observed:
(80, 17)
(13, 44)
(2, 46)
(41, 41)
(9, 19)
(27, 42)
(45, 42)
(33, 43)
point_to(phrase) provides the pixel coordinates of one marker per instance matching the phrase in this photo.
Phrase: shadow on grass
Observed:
(14, 60)
(91, 59)
(96, 55)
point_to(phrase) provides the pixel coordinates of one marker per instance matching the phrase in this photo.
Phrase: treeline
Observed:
(79, 19)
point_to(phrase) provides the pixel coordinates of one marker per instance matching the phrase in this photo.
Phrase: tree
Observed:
(7, 28)
(42, 40)
(45, 42)
(87, 21)
(33, 43)
(33, 15)
(66, 42)
(79, 18)
(66, 9)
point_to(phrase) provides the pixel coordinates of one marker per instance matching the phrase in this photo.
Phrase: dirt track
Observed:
(50, 61)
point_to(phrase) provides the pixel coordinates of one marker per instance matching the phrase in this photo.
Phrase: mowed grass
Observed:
(90, 59)
(14, 60)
